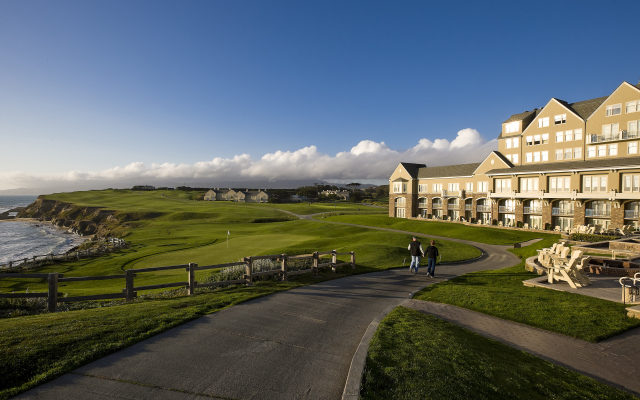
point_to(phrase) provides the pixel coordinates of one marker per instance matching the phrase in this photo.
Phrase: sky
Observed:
(111, 93)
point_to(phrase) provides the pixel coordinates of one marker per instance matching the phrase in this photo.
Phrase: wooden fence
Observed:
(111, 244)
(131, 291)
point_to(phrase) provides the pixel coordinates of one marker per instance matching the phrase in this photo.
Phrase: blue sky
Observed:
(100, 91)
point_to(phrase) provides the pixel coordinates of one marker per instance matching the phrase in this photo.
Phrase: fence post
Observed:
(284, 267)
(192, 278)
(334, 259)
(248, 275)
(353, 259)
(52, 298)
(129, 294)
(315, 263)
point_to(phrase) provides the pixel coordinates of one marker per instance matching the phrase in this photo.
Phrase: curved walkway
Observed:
(297, 344)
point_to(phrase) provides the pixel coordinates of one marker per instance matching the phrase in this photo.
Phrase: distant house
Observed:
(143, 187)
(343, 194)
(244, 196)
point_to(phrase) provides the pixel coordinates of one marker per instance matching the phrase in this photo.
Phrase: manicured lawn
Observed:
(315, 208)
(444, 229)
(501, 293)
(417, 356)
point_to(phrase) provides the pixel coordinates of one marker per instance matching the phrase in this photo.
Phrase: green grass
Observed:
(501, 293)
(444, 229)
(417, 356)
(315, 208)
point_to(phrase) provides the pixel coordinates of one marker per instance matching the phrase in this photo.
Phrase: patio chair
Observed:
(567, 271)
(544, 255)
(526, 226)
(499, 223)
(557, 229)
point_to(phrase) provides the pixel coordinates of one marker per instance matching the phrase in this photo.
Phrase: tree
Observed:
(310, 192)
(353, 186)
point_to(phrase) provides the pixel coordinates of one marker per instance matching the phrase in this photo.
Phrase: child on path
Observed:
(416, 251)
(432, 255)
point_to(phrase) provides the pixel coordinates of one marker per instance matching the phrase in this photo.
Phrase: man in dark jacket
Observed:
(432, 255)
(416, 251)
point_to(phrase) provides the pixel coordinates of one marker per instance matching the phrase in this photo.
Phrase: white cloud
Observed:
(368, 160)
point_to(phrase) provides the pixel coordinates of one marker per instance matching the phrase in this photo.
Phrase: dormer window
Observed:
(615, 109)
(560, 119)
(512, 127)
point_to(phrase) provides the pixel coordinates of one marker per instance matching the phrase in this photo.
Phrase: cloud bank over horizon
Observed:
(368, 161)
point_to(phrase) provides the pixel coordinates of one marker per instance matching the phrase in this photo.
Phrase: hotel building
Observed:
(564, 164)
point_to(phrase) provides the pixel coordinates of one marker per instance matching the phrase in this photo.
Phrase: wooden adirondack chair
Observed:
(567, 271)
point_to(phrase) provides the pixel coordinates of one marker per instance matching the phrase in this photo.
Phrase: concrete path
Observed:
(291, 345)
(615, 361)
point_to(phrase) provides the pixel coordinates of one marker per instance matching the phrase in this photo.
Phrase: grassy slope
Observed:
(416, 356)
(501, 293)
(444, 229)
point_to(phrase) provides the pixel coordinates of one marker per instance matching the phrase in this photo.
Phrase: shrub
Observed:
(583, 237)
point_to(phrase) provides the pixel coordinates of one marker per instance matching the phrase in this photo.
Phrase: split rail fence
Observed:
(131, 291)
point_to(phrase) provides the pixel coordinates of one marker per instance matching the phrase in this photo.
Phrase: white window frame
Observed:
(514, 158)
(633, 127)
(559, 154)
(543, 122)
(568, 135)
(559, 137)
(614, 109)
(512, 127)
(469, 186)
(437, 187)
(483, 186)
(536, 156)
(560, 119)
(632, 106)
(544, 155)
(577, 134)
(613, 149)
(632, 147)
(516, 142)
(567, 153)
(545, 138)
(507, 144)
(577, 153)
(602, 150)
(591, 151)
(528, 157)
(536, 140)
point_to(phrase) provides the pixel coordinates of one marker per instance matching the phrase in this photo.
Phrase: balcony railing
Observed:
(589, 212)
(533, 210)
(483, 208)
(436, 205)
(507, 209)
(561, 211)
(422, 204)
(610, 137)
(453, 207)
(631, 213)
(468, 207)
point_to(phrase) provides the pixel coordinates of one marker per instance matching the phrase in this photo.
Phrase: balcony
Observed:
(422, 204)
(436, 205)
(452, 193)
(453, 207)
(468, 207)
(589, 212)
(611, 137)
(507, 209)
(561, 211)
(483, 208)
(533, 210)
(632, 214)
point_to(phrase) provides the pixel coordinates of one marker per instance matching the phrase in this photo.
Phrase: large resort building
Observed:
(563, 165)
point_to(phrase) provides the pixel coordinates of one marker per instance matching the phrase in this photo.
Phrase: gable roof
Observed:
(567, 166)
(446, 171)
(585, 108)
(521, 116)
(412, 169)
(606, 97)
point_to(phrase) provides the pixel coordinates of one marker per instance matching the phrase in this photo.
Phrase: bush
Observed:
(583, 237)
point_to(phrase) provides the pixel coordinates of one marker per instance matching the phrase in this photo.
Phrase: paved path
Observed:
(615, 361)
(296, 344)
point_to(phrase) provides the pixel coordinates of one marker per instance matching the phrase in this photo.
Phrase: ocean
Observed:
(21, 239)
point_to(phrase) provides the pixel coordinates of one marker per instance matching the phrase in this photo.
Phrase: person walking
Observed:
(432, 255)
(416, 251)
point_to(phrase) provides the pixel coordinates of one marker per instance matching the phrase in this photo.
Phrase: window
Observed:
(577, 134)
(545, 156)
(594, 183)
(614, 109)
(454, 186)
(528, 185)
(507, 144)
(423, 188)
(543, 122)
(602, 150)
(632, 148)
(512, 127)
(516, 141)
(568, 136)
(609, 129)
(536, 156)
(397, 187)
(528, 157)
(559, 136)
(567, 154)
(634, 127)
(560, 119)
(591, 151)
(545, 138)
(633, 106)
(631, 183)
(503, 185)
(577, 153)
(536, 139)
(613, 149)
(437, 187)
(514, 158)
(483, 186)
(559, 154)
(469, 186)
(560, 184)
(529, 140)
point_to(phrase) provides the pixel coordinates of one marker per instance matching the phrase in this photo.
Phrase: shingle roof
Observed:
(412, 169)
(521, 116)
(585, 108)
(448, 171)
(570, 165)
